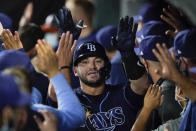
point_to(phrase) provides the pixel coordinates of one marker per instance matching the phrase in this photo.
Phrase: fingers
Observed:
(6, 37)
(173, 54)
(17, 39)
(163, 54)
(41, 48)
(130, 24)
(154, 90)
(16, 36)
(166, 52)
(38, 121)
(6, 46)
(121, 25)
(157, 54)
(10, 41)
(149, 90)
(126, 24)
(171, 33)
(175, 13)
(61, 43)
(70, 40)
(170, 17)
(159, 91)
(73, 46)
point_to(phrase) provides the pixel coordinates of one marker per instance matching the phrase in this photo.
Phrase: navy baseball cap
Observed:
(6, 21)
(10, 94)
(88, 49)
(148, 12)
(11, 58)
(152, 28)
(147, 44)
(103, 36)
(185, 43)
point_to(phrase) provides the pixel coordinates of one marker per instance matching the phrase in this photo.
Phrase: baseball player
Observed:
(107, 107)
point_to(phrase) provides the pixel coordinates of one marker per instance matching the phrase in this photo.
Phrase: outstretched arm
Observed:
(175, 19)
(152, 100)
(64, 54)
(71, 113)
(125, 43)
(170, 71)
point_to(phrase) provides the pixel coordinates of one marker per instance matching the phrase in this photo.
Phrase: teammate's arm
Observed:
(64, 54)
(125, 43)
(169, 71)
(152, 100)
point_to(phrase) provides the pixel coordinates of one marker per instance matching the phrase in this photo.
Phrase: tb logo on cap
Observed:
(91, 47)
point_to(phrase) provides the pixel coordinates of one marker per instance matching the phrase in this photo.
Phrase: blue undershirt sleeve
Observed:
(70, 113)
(68, 101)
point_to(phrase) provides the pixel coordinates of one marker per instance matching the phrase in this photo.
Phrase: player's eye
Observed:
(98, 61)
(84, 62)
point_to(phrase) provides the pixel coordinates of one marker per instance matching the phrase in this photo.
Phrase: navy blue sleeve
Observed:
(134, 100)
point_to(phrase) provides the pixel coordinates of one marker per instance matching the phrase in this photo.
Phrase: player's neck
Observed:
(92, 91)
(86, 32)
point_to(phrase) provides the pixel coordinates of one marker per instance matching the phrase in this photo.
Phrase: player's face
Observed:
(88, 69)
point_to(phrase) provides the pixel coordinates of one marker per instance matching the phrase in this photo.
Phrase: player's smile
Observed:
(92, 73)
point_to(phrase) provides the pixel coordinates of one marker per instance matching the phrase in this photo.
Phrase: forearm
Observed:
(140, 85)
(67, 100)
(67, 74)
(51, 91)
(188, 86)
(141, 120)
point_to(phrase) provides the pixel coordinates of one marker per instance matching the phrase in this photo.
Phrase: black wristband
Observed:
(64, 67)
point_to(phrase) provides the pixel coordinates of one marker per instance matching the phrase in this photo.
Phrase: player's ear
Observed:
(75, 71)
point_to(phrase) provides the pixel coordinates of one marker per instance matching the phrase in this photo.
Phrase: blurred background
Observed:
(107, 11)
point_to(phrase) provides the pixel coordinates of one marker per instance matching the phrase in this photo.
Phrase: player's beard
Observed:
(93, 84)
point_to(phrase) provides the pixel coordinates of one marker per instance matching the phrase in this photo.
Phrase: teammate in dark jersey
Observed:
(107, 107)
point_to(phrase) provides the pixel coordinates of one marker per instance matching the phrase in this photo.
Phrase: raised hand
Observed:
(50, 122)
(168, 64)
(64, 22)
(175, 19)
(66, 49)
(46, 61)
(27, 14)
(10, 41)
(125, 39)
(153, 98)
